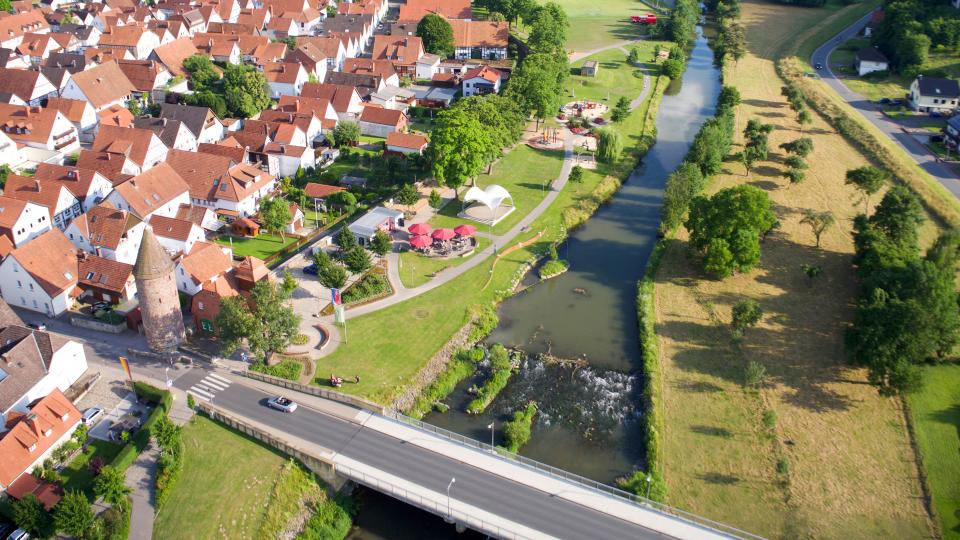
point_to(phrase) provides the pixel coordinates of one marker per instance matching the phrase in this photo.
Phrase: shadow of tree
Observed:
(719, 478)
(713, 431)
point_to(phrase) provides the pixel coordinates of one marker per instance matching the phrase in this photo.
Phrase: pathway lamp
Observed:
(649, 480)
(450, 485)
(491, 426)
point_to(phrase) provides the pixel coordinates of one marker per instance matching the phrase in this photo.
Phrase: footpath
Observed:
(140, 477)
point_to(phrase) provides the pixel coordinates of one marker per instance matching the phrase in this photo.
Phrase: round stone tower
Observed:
(157, 290)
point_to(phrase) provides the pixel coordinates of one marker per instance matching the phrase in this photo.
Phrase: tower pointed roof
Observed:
(152, 260)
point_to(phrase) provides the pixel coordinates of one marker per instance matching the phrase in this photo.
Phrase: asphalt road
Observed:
(501, 496)
(868, 110)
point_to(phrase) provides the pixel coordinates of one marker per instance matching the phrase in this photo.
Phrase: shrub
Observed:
(285, 369)
(770, 419)
(370, 285)
(501, 370)
(330, 520)
(462, 365)
(191, 402)
(516, 431)
(487, 321)
(754, 374)
(299, 339)
(553, 268)
(783, 466)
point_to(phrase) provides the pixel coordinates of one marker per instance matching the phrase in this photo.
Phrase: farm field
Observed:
(833, 438)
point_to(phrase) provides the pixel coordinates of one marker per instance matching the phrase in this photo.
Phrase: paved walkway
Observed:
(916, 150)
(580, 55)
(140, 477)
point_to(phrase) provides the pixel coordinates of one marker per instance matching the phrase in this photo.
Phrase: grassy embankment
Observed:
(836, 462)
(399, 340)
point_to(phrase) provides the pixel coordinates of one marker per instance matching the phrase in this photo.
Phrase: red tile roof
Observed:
(51, 260)
(314, 190)
(49, 419)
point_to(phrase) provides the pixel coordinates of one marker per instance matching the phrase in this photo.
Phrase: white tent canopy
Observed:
(492, 196)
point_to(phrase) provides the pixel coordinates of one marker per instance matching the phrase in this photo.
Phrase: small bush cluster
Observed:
(285, 369)
(485, 322)
(462, 365)
(170, 463)
(500, 371)
(369, 286)
(553, 268)
(331, 520)
(516, 431)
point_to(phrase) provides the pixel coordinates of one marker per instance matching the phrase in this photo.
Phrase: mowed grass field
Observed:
(616, 77)
(598, 23)
(838, 463)
(936, 417)
(224, 488)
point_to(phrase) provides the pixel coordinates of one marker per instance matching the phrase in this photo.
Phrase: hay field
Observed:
(838, 463)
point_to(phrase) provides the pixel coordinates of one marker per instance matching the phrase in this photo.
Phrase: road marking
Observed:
(202, 393)
(214, 383)
(211, 389)
(219, 378)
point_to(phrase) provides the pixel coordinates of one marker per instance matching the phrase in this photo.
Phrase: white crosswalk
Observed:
(208, 387)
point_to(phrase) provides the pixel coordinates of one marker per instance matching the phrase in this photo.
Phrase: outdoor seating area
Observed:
(127, 417)
(443, 243)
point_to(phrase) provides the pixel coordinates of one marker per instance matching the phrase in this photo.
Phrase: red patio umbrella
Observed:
(465, 230)
(443, 234)
(419, 228)
(421, 241)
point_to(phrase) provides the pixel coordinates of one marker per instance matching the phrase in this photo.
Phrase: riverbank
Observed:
(776, 460)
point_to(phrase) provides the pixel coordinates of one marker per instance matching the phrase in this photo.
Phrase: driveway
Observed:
(916, 150)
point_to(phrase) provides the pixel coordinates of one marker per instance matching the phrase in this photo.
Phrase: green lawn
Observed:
(226, 483)
(615, 79)
(261, 247)
(595, 24)
(77, 475)
(523, 172)
(936, 415)
(415, 269)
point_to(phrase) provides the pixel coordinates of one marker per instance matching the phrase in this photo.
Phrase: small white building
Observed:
(869, 60)
(22, 221)
(41, 275)
(480, 81)
(176, 235)
(377, 219)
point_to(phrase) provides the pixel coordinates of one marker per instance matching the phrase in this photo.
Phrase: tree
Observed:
(203, 72)
(206, 98)
(868, 180)
(576, 174)
(732, 40)
(538, 84)
(73, 515)
(681, 187)
(794, 175)
(288, 283)
(30, 515)
(811, 271)
(346, 239)
(804, 117)
(796, 162)
(408, 195)
(459, 147)
(437, 35)
(673, 68)
(819, 222)
(112, 487)
(381, 243)
(6, 6)
(346, 134)
(746, 314)
(357, 260)
(898, 216)
(621, 110)
(265, 322)
(245, 90)
(609, 145)
(275, 215)
(749, 157)
(801, 147)
(633, 57)
(331, 274)
(729, 97)
(548, 31)
(732, 220)
(343, 199)
(435, 200)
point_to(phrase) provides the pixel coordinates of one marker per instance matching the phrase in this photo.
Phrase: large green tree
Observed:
(73, 515)
(275, 214)
(548, 32)
(30, 515)
(437, 35)
(868, 180)
(245, 90)
(537, 85)
(111, 485)
(609, 145)
(357, 260)
(459, 147)
(345, 134)
(203, 73)
(265, 322)
(682, 186)
(727, 228)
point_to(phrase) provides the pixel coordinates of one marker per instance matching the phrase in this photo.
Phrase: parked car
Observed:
(37, 326)
(310, 270)
(886, 101)
(6, 528)
(91, 416)
(281, 403)
(818, 66)
(19, 534)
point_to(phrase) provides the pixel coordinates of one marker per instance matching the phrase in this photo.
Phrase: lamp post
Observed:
(450, 485)
(491, 426)
(649, 479)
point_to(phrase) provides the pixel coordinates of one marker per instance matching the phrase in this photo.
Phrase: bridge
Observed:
(459, 479)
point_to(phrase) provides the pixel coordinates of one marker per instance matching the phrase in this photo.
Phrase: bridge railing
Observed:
(439, 507)
(587, 483)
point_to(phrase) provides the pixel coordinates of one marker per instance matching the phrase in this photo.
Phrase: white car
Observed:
(91, 416)
(19, 534)
(281, 403)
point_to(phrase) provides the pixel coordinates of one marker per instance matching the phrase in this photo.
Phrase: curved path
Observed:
(306, 304)
(580, 55)
(917, 151)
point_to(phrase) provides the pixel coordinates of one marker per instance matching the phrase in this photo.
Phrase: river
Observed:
(588, 408)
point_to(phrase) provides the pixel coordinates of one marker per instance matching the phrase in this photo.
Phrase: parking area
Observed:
(127, 416)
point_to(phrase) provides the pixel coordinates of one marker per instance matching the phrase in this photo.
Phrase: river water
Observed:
(588, 407)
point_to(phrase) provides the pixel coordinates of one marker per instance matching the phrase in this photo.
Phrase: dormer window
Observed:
(32, 447)
(48, 433)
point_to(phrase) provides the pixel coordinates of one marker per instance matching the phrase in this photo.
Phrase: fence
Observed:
(353, 401)
(592, 485)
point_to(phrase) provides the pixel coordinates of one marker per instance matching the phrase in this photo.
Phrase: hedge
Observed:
(163, 401)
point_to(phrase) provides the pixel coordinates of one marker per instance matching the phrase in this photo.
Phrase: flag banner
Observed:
(338, 315)
(126, 367)
(335, 296)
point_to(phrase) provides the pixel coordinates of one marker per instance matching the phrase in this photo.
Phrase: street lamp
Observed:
(491, 433)
(649, 479)
(450, 485)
